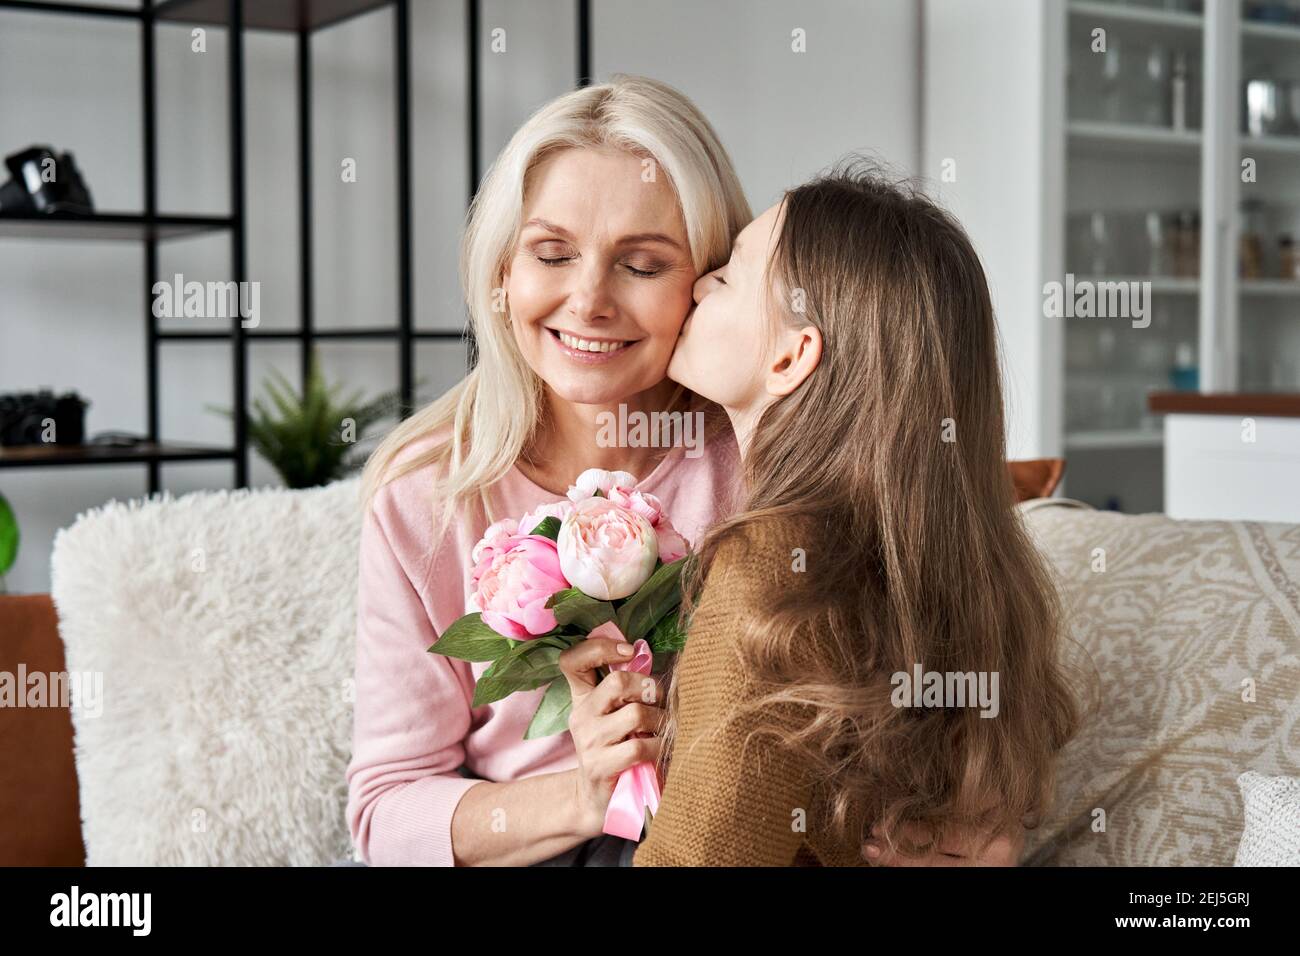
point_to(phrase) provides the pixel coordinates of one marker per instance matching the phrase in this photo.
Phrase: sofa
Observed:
(222, 626)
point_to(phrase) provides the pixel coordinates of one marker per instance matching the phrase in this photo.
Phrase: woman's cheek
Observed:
(666, 311)
(532, 294)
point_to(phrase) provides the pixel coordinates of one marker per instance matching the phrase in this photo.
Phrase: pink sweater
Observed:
(413, 724)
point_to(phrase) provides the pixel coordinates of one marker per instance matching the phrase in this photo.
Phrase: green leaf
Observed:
(552, 716)
(561, 639)
(573, 607)
(301, 436)
(9, 536)
(549, 528)
(667, 637)
(661, 594)
(522, 668)
(469, 639)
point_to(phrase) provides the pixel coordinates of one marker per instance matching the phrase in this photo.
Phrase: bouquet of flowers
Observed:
(605, 563)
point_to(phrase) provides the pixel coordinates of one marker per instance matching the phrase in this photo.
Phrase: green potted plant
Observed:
(308, 439)
(8, 540)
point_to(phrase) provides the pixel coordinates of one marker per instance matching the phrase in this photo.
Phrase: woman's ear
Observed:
(797, 354)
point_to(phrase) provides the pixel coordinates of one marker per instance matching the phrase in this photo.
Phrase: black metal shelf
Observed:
(72, 9)
(46, 456)
(301, 16)
(110, 226)
(279, 15)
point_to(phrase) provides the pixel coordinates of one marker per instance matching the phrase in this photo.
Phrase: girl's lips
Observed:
(590, 358)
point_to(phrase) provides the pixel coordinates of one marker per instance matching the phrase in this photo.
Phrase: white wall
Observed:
(783, 116)
(993, 104)
(72, 315)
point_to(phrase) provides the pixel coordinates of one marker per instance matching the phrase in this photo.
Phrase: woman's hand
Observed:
(608, 719)
(965, 849)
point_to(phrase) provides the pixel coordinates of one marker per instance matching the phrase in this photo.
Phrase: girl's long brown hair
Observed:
(892, 455)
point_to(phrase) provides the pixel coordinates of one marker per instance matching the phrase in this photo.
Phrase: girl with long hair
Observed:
(852, 342)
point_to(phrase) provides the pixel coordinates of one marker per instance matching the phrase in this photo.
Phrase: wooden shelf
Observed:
(46, 456)
(109, 226)
(1268, 404)
(283, 15)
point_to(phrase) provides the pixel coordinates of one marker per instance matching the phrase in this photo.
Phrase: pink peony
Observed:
(598, 479)
(513, 579)
(606, 550)
(494, 540)
(671, 544)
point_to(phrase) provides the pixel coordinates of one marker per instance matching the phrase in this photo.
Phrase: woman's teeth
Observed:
(586, 345)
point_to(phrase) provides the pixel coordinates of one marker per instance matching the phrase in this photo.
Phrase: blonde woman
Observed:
(851, 326)
(580, 255)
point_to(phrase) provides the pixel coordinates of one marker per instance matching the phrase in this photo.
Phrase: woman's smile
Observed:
(590, 350)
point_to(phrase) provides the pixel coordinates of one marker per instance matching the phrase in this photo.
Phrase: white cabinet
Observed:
(1232, 467)
(1114, 133)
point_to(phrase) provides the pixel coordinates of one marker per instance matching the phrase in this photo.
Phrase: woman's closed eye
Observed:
(645, 273)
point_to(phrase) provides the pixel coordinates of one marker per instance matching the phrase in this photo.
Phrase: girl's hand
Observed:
(614, 721)
(963, 850)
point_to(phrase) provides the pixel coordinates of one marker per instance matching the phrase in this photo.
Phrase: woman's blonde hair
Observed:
(923, 558)
(494, 410)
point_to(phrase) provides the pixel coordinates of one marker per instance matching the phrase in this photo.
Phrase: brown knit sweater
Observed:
(717, 808)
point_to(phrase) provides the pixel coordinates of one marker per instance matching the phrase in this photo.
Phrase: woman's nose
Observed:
(590, 297)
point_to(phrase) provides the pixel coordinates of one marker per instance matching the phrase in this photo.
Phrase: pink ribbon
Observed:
(637, 788)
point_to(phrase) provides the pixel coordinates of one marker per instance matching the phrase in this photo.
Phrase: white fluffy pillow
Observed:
(223, 624)
(1272, 834)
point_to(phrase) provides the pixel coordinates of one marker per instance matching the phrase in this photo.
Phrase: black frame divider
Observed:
(306, 273)
(406, 352)
(238, 237)
(148, 125)
(150, 227)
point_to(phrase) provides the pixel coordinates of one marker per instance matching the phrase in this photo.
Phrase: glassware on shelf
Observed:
(1270, 11)
(1287, 259)
(1187, 245)
(1113, 94)
(1097, 254)
(1159, 240)
(1291, 90)
(1178, 93)
(1152, 93)
(1251, 258)
(1266, 111)
(1153, 355)
(1184, 374)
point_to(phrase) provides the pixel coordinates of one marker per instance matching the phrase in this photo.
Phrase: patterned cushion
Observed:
(1272, 836)
(1194, 628)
